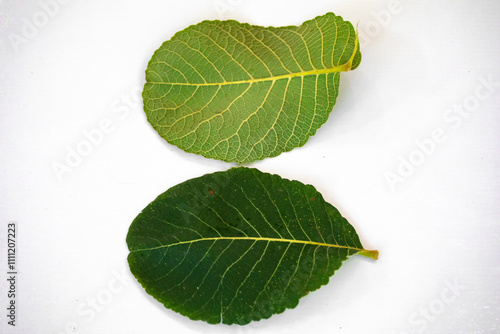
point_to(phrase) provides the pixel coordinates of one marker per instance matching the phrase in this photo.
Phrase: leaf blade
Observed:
(210, 88)
(241, 253)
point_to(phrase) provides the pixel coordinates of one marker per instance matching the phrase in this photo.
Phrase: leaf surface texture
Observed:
(238, 246)
(239, 93)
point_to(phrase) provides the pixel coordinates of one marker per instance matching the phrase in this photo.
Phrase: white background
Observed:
(436, 224)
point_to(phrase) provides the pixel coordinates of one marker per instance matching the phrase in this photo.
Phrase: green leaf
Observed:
(238, 246)
(240, 93)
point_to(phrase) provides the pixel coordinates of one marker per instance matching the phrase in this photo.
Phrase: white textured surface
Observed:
(437, 226)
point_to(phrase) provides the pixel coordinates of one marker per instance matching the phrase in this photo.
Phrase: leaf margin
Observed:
(372, 254)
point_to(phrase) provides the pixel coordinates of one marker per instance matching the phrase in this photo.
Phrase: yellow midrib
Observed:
(339, 68)
(368, 253)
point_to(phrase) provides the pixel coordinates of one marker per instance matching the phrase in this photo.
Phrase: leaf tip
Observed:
(356, 49)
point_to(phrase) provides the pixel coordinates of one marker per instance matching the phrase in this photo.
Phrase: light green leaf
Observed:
(238, 246)
(240, 93)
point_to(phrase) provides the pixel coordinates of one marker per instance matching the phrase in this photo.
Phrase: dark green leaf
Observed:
(238, 246)
(240, 93)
